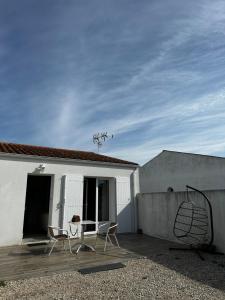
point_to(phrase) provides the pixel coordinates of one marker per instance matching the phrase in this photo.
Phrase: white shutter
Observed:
(123, 199)
(73, 197)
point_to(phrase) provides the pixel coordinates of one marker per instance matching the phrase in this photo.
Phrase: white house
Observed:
(41, 186)
(171, 169)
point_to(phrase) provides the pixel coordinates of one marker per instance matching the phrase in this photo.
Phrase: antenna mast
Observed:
(100, 137)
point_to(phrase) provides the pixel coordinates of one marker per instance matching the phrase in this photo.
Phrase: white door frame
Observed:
(96, 202)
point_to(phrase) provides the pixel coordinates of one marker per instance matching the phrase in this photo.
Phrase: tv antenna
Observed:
(100, 137)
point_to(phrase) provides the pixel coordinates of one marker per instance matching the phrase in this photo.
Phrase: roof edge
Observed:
(180, 152)
(197, 154)
(60, 159)
(160, 153)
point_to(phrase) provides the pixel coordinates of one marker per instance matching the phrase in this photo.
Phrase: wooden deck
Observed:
(20, 262)
(24, 261)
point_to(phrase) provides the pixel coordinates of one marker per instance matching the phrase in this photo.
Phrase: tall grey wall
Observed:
(176, 170)
(157, 212)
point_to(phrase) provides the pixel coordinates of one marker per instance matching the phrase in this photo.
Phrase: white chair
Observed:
(111, 232)
(58, 237)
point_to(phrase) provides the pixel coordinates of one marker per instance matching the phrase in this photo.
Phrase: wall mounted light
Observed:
(41, 167)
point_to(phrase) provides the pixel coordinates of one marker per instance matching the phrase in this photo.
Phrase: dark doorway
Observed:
(37, 205)
(89, 202)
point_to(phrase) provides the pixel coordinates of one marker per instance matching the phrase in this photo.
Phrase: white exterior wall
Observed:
(13, 181)
(176, 170)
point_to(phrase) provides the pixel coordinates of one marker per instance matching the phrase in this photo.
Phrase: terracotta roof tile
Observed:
(58, 153)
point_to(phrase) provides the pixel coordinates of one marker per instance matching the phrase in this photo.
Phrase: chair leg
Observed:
(110, 240)
(106, 240)
(70, 246)
(78, 249)
(47, 246)
(96, 240)
(52, 248)
(64, 246)
(116, 241)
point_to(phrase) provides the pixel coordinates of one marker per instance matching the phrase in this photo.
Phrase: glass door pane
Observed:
(103, 200)
(89, 202)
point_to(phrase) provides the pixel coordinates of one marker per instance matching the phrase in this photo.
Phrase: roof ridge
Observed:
(190, 153)
(35, 150)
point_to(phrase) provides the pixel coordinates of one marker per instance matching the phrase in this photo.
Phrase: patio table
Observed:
(82, 242)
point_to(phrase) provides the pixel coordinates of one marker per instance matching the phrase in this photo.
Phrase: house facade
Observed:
(172, 171)
(43, 186)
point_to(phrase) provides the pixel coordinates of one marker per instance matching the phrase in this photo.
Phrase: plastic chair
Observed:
(58, 237)
(111, 232)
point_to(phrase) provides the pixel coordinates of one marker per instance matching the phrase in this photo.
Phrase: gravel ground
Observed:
(140, 279)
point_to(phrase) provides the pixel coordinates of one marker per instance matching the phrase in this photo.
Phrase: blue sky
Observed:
(151, 72)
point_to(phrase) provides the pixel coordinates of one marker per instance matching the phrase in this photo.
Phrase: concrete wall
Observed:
(157, 212)
(175, 169)
(13, 181)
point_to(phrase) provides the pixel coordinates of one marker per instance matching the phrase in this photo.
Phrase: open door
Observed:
(73, 197)
(37, 206)
(123, 196)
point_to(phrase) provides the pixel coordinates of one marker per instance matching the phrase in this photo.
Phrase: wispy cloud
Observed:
(152, 73)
